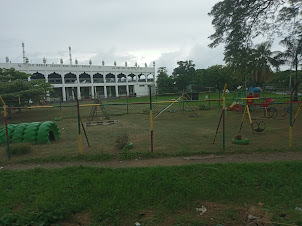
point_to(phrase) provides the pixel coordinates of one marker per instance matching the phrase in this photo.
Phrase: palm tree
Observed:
(292, 56)
(263, 60)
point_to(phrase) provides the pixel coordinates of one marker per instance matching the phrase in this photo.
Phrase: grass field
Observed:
(153, 196)
(176, 132)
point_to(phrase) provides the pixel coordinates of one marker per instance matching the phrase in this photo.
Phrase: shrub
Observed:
(121, 141)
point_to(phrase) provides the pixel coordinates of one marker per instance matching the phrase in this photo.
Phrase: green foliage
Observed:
(282, 78)
(165, 83)
(292, 56)
(184, 74)
(253, 65)
(121, 141)
(11, 74)
(236, 22)
(14, 85)
(215, 76)
(43, 197)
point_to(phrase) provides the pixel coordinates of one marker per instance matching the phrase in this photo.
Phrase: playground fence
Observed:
(180, 127)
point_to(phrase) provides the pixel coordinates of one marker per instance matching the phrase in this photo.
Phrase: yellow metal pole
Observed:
(6, 127)
(223, 117)
(297, 113)
(250, 118)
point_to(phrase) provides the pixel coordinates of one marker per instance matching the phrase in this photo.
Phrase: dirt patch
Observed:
(79, 219)
(146, 215)
(216, 213)
(169, 161)
(255, 216)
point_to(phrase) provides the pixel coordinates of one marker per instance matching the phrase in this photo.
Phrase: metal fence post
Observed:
(6, 128)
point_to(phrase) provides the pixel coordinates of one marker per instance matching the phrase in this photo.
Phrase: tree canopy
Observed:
(215, 76)
(14, 85)
(184, 74)
(165, 83)
(238, 22)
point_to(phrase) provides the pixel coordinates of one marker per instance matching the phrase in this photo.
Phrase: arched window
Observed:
(110, 78)
(98, 78)
(150, 78)
(84, 78)
(141, 78)
(70, 78)
(55, 78)
(121, 78)
(37, 76)
(132, 78)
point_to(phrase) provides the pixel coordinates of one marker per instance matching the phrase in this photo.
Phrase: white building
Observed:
(91, 81)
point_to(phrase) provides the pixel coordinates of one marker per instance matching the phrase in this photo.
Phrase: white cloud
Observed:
(109, 30)
(201, 55)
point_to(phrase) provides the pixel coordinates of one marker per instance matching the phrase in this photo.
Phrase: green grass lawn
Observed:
(153, 196)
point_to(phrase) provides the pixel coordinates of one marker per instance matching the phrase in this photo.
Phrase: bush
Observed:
(20, 149)
(121, 141)
(202, 106)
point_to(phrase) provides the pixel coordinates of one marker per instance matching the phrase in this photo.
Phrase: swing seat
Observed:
(260, 126)
(243, 141)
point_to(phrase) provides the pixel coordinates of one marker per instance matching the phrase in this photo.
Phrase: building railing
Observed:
(110, 80)
(71, 80)
(98, 80)
(85, 80)
(55, 81)
(95, 80)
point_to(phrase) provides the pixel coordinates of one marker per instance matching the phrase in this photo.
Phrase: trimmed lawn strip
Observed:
(156, 195)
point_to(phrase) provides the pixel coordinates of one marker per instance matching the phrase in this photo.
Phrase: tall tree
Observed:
(14, 85)
(238, 22)
(165, 83)
(215, 76)
(184, 74)
(292, 56)
(264, 60)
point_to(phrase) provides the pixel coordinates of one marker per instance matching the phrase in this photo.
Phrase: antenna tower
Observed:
(70, 59)
(23, 50)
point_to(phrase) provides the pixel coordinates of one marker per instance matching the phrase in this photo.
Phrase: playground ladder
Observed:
(186, 96)
(104, 110)
(94, 110)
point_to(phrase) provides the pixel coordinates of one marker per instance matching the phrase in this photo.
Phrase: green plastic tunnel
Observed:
(17, 136)
(35, 132)
(48, 131)
(10, 128)
(30, 132)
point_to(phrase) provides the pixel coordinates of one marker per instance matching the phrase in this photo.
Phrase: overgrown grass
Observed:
(119, 196)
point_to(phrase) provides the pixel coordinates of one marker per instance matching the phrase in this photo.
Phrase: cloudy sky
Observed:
(164, 31)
